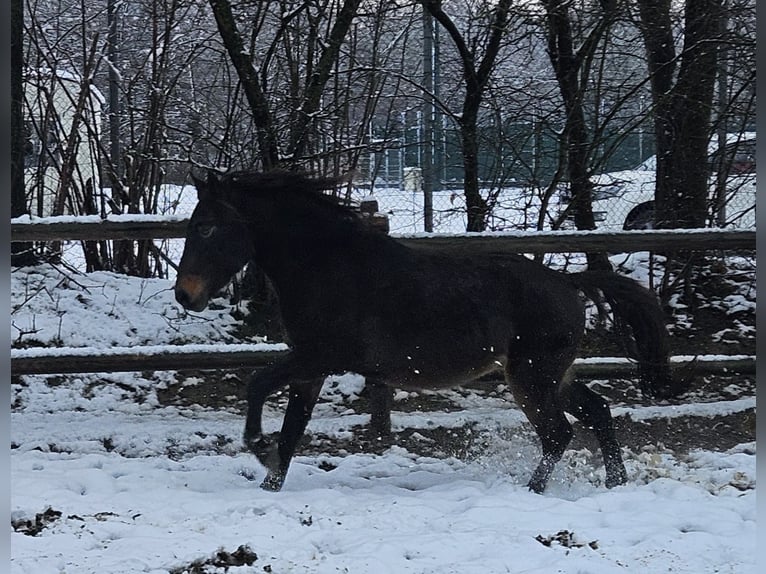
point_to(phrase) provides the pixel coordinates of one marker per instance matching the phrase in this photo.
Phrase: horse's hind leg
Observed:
(276, 459)
(381, 399)
(534, 384)
(593, 411)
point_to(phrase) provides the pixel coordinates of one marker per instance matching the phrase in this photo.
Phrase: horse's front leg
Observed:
(305, 385)
(261, 384)
(276, 457)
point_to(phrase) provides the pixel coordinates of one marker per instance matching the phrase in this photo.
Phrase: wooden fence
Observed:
(86, 360)
(69, 360)
(126, 227)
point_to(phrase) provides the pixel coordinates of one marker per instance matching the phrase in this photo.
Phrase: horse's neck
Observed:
(295, 242)
(302, 264)
(290, 253)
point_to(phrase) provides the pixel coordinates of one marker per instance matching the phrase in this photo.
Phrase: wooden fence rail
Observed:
(69, 360)
(91, 228)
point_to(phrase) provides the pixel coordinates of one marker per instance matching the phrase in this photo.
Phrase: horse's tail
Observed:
(636, 307)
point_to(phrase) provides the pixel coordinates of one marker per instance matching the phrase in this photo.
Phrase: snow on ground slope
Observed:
(106, 478)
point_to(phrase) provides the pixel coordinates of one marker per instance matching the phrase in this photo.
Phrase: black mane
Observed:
(296, 187)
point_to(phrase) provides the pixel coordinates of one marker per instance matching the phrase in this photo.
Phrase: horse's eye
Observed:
(205, 231)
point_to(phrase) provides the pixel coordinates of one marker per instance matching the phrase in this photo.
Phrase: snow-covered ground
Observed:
(106, 478)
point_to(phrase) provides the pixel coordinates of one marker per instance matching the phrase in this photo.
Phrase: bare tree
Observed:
(249, 79)
(477, 72)
(682, 89)
(539, 95)
(61, 109)
(21, 253)
(572, 69)
(318, 70)
(18, 196)
(320, 74)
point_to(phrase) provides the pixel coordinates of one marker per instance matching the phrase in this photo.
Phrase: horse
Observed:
(355, 299)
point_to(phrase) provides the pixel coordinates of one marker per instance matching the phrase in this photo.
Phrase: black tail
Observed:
(637, 308)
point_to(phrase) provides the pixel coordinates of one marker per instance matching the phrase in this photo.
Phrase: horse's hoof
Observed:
(265, 450)
(616, 479)
(536, 486)
(273, 482)
(257, 444)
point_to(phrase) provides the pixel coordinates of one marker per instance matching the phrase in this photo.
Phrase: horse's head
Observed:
(218, 244)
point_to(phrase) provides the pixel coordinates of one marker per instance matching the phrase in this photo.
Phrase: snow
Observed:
(701, 409)
(91, 219)
(56, 307)
(673, 359)
(148, 350)
(372, 514)
(148, 488)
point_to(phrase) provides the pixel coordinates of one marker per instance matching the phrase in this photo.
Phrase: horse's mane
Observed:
(308, 190)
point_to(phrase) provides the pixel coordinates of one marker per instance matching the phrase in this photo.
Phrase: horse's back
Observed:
(507, 285)
(443, 314)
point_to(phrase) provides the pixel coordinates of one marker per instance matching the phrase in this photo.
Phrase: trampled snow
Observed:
(146, 488)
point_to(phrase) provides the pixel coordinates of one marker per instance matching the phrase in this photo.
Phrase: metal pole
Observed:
(114, 96)
(722, 161)
(428, 122)
(438, 139)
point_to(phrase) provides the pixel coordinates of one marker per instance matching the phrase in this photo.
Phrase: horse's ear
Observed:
(213, 180)
(203, 190)
(207, 187)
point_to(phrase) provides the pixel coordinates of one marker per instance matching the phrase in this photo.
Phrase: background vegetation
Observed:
(478, 95)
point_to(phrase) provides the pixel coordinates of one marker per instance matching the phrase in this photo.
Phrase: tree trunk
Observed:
(21, 253)
(476, 205)
(476, 79)
(682, 121)
(320, 76)
(682, 110)
(567, 65)
(259, 105)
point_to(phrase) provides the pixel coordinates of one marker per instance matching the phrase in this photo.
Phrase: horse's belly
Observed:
(438, 374)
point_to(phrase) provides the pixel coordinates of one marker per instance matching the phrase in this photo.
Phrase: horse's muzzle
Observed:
(191, 292)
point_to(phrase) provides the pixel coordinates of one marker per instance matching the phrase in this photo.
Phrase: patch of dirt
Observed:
(213, 389)
(566, 539)
(242, 556)
(41, 521)
(678, 433)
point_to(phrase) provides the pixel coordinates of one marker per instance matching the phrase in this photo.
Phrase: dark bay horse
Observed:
(354, 299)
